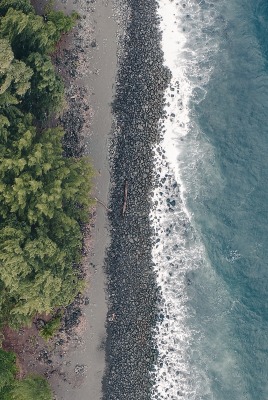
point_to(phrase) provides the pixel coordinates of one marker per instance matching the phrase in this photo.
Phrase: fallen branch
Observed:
(125, 199)
(106, 208)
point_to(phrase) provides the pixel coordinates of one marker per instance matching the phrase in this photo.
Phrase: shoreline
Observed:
(133, 293)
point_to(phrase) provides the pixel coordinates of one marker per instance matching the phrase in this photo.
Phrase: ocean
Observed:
(210, 208)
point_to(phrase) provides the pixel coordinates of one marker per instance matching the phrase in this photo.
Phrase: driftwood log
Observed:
(125, 199)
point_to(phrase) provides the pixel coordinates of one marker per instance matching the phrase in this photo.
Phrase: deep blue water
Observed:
(223, 165)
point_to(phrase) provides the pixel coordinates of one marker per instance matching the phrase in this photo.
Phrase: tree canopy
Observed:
(44, 196)
(26, 42)
(7, 369)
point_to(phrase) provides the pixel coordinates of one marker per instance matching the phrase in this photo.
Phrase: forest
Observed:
(44, 196)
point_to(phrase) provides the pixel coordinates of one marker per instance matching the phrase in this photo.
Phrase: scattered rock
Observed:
(80, 369)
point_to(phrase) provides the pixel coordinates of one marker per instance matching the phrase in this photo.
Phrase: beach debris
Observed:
(125, 198)
(112, 317)
(99, 201)
(94, 43)
(39, 323)
(80, 369)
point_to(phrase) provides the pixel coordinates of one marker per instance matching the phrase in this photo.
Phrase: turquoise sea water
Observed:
(222, 164)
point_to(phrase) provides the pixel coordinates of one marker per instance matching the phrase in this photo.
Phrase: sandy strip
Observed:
(96, 73)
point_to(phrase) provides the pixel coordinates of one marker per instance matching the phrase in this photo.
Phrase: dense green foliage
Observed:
(7, 372)
(44, 197)
(26, 40)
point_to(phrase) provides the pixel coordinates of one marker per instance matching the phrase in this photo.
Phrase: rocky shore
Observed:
(138, 106)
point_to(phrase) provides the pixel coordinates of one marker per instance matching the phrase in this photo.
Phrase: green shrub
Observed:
(8, 368)
(51, 327)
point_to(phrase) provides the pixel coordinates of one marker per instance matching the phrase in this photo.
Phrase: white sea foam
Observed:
(174, 257)
(189, 46)
(188, 50)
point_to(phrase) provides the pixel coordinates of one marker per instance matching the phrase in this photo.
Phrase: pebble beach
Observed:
(138, 105)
